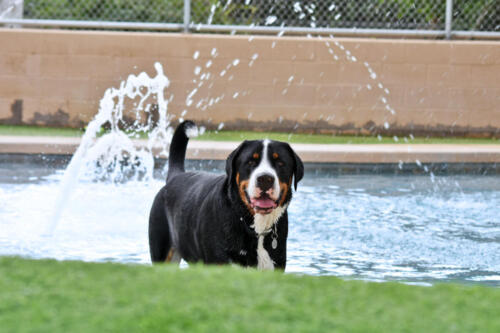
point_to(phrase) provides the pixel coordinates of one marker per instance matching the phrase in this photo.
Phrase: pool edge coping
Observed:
(316, 153)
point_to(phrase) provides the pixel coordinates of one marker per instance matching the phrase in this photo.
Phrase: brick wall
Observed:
(50, 77)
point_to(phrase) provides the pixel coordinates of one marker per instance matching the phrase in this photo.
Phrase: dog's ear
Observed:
(298, 168)
(231, 160)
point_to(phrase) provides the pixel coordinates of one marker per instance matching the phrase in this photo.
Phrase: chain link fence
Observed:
(110, 10)
(383, 15)
(322, 14)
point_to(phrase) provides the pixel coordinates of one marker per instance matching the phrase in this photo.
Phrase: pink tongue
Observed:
(263, 203)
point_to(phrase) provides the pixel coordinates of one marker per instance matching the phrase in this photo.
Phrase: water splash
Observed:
(115, 156)
(8, 8)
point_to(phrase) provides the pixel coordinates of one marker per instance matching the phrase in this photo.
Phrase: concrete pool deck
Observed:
(319, 153)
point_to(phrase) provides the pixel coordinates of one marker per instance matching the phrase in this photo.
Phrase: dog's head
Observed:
(262, 173)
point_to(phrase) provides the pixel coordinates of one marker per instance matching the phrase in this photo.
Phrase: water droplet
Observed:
(236, 62)
(386, 125)
(214, 52)
(196, 55)
(296, 7)
(235, 94)
(270, 19)
(373, 75)
(191, 94)
(208, 64)
(221, 125)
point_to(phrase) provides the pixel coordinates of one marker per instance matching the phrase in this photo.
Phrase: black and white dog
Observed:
(240, 217)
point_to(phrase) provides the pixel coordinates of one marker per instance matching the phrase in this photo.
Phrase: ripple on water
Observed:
(372, 227)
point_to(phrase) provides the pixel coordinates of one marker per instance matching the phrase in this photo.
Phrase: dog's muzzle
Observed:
(264, 200)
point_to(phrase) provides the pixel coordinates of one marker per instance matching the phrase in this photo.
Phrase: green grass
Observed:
(251, 135)
(39, 131)
(323, 138)
(51, 296)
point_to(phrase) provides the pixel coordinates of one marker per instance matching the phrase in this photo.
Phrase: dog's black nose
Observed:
(265, 182)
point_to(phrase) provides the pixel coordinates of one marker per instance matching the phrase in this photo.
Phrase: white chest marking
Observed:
(263, 223)
(264, 261)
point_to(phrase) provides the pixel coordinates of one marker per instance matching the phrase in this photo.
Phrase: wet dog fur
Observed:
(238, 217)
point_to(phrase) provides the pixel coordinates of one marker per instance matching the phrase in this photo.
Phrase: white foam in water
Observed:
(113, 156)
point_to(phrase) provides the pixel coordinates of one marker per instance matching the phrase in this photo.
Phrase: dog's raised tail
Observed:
(178, 146)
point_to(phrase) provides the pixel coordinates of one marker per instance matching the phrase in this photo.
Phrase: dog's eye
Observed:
(280, 163)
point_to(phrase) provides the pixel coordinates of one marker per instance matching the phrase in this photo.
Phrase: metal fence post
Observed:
(449, 18)
(187, 14)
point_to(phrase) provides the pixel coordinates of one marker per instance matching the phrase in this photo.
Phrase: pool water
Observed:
(413, 228)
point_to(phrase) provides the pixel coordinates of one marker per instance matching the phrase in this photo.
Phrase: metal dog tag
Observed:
(274, 243)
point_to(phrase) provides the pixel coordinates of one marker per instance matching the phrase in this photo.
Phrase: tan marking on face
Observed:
(241, 190)
(284, 191)
(256, 156)
(275, 155)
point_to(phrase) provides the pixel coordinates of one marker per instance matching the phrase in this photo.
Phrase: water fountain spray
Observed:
(114, 156)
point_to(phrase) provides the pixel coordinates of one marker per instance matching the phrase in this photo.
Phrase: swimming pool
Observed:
(374, 226)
